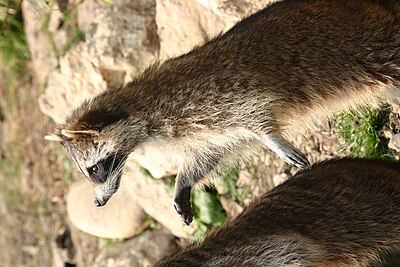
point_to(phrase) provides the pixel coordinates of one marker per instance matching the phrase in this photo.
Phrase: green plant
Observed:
(226, 185)
(208, 212)
(13, 49)
(68, 23)
(360, 133)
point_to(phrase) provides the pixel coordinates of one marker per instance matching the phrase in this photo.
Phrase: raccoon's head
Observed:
(98, 141)
(100, 161)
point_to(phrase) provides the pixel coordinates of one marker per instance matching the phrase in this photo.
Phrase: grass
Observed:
(14, 52)
(14, 55)
(361, 133)
(9, 166)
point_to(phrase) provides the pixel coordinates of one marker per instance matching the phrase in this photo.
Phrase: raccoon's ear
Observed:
(53, 137)
(79, 134)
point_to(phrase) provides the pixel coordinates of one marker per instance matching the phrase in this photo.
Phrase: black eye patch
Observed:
(100, 171)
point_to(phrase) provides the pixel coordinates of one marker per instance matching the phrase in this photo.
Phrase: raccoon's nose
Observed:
(99, 203)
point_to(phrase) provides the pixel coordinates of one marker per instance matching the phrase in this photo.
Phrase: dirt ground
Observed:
(33, 179)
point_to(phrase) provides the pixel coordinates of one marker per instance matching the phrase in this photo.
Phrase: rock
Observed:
(120, 218)
(279, 178)
(387, 132)
(191, 24)
(87, 247)
(44, 58)
(394, 142)
(232, 208)
(121, 41)
(75, 80)
(143, 250)
(58, 33)
(195, 22)
(86, 15)
(122, 38)
(153, 197)
(158, 164)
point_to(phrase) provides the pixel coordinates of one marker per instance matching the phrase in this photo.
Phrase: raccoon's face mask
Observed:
(101, 164)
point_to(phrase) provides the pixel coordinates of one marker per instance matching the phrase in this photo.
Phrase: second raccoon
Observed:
(338, 213)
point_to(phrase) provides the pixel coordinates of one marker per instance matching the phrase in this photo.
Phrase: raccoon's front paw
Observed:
(183, 207)
(185, 212)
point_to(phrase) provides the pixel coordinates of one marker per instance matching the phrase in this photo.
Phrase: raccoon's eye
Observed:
(97, 172)
(95, 169)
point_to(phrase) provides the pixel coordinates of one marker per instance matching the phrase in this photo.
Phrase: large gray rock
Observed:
(143, 250)
(120, 218)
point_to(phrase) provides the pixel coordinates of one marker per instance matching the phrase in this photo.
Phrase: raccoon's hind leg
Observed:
(285, 150)
(192, 172)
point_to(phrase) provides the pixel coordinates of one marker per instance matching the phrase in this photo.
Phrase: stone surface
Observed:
(75, 80)
(196, 21)
(122, 38)
(121, 41)
(44, 58)
(86, 17)
(158, 164)
(56, 29)
(62, 249)
(120, 218)
(87, 247)
(394, 142)
(153, 197)
(143, 250)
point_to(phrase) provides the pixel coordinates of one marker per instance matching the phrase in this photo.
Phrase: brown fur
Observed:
(338, 213)
(271, 75)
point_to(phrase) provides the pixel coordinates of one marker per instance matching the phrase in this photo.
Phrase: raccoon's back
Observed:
(290, 59)
(282, 68)
(338, 212)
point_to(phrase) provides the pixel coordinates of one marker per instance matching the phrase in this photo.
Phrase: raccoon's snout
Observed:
(100, 202)
(103, 192)
(102, 199)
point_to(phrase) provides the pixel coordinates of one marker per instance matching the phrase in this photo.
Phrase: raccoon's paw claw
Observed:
(296, 158)
(286, 151)
(185, 212)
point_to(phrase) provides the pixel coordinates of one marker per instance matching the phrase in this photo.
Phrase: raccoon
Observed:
(269, 77)
(342, 212)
